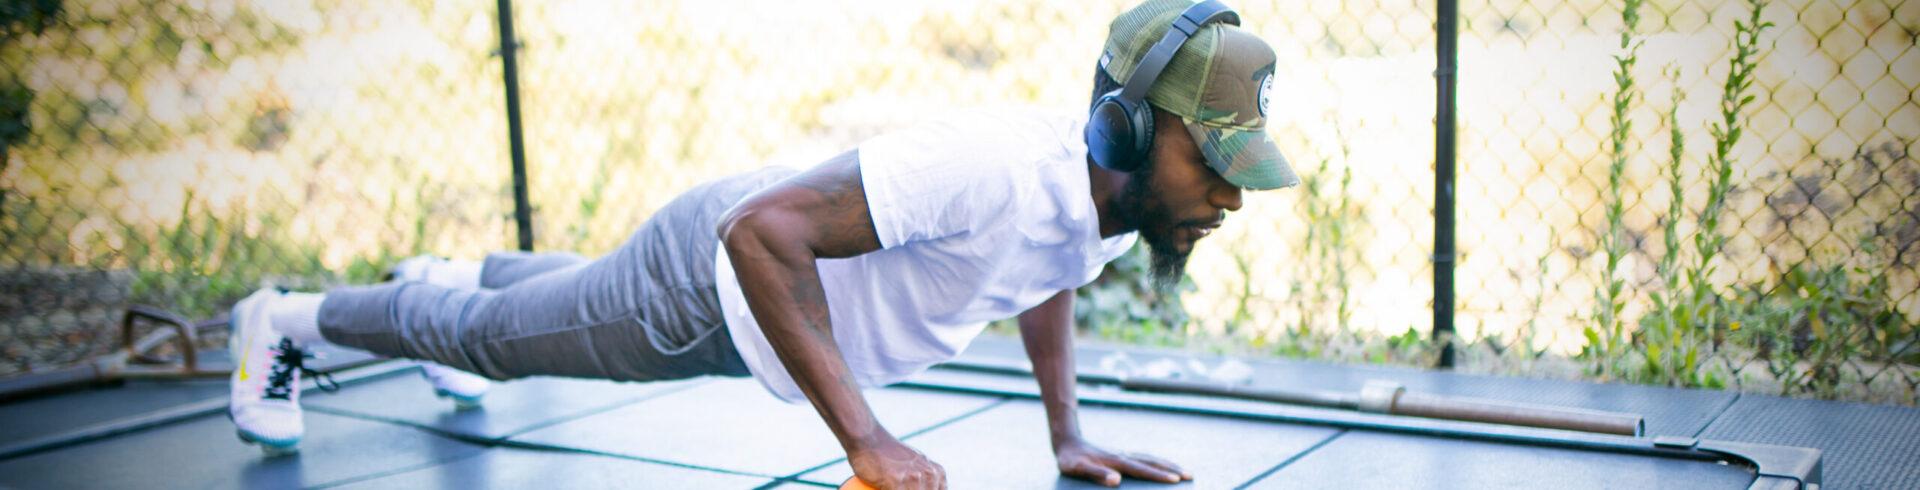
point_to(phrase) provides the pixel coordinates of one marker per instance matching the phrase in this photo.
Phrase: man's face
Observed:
(1176, 200)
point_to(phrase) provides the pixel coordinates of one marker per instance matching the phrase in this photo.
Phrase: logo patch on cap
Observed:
(1266, 86)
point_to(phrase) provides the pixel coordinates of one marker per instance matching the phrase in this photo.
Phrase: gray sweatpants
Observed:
(647, 311)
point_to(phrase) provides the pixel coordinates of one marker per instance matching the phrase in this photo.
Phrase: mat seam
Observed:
(396, 471)
(1722, 411)
(1290, 459)
(478, 439)
(487, 444)
(605, 409)
(512, 444)
(795, 477)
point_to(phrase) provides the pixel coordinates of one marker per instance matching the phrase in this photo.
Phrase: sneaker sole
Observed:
(459, 402)
(273, 447)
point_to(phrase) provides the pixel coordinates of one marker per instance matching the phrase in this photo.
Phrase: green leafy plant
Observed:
(1605, 338)
(580, 230)
(1321, 293)
(1826, 328)
(1524, 342)
(1670, 351)
(204, 262)
(1708, 239)
(1123, 305)
(1820, 328)
(18, 19)
(1668, 340)
(1328, 248)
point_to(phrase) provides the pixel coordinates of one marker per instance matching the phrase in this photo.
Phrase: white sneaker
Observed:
(412, 268)
(464, 388)
(437, 271)
(265, 385)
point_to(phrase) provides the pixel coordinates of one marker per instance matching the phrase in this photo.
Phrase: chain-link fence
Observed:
(1794, 271)
(183, 154)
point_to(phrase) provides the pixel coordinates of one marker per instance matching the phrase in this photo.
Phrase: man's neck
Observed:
(1105, 186)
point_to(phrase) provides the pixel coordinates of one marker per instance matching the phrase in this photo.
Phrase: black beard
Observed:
(1138, 211)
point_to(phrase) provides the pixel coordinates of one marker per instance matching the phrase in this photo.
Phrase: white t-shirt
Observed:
(980, 215)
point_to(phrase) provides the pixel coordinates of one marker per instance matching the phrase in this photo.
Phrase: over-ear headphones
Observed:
(1120, 126)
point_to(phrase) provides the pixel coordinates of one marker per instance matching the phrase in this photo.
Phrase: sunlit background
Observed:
(182, 153)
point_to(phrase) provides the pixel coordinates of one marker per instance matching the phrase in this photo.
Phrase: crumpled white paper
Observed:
(1227, 371)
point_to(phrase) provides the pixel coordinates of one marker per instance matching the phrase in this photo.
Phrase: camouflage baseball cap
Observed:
(1219, 83)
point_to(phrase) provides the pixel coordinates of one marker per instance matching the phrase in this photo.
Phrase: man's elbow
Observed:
(736, 227)
(724, 229)
(746, 230)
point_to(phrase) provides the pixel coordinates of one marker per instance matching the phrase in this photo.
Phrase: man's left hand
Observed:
(1081, 460)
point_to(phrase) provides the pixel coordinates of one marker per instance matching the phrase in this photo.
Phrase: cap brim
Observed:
(1246, 158)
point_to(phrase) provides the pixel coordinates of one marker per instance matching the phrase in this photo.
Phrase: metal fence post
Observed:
(1443, 163)
(522, 210)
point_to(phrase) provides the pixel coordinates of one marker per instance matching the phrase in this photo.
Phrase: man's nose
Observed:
(1226, 197)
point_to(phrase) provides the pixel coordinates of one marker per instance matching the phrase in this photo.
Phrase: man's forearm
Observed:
(1047, 332)
(783, 291)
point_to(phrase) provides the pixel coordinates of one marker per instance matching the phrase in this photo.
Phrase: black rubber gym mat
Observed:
(62, 412)
(735, 425)
(1864, 446)
(508, 408)
(1007, 446)
(1361, 459)
(518, 468)
(204, 453)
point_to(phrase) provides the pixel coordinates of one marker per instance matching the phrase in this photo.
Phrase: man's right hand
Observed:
(893, 465)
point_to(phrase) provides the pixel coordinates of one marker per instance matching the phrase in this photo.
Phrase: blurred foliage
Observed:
(201, 150)
(1821, 330)
(1123, 305)
(1816, 328)
(1321, 294)
(19, 19)
(1604, 338)
(1668, 323)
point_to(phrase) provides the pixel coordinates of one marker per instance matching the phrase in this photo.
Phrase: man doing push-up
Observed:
(858, 272)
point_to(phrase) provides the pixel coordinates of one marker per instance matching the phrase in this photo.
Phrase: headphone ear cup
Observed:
(1143, 130)
(1111, 135)
(1130, 153)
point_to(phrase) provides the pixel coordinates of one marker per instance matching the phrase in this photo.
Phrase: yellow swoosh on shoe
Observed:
(244, 350)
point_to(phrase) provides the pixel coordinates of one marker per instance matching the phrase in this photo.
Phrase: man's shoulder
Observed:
(1019, 118)
(1001, 136)
(997, 122)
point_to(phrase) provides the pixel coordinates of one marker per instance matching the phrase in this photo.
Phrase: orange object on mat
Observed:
(855, 483)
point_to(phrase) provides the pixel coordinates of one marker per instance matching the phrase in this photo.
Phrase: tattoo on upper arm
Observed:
(841, 216)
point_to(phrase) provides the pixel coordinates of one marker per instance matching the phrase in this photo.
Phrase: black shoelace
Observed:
(288, 359)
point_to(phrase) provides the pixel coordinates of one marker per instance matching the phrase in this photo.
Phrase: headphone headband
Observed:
(1119, 129)
(1189, 22)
